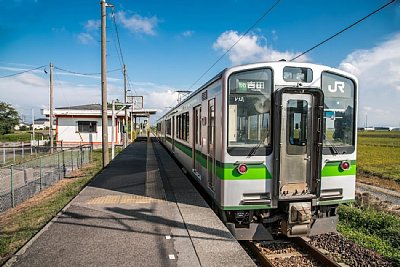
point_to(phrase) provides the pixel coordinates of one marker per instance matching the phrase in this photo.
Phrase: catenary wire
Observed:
(343, 30)
(240, 38)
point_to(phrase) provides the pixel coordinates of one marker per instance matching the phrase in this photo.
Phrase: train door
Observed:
(211, 144)
(300, 140)
(197, 155)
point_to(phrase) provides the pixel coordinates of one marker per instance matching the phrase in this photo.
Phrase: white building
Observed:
(83, 124)
(41, 124)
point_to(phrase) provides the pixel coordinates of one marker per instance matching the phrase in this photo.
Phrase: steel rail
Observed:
(314, 252)
(310, 250)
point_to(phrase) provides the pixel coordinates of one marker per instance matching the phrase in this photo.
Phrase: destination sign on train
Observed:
(250, 85)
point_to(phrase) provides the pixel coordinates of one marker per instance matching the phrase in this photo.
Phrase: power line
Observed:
(240, 38)
(25, 71)
(130, 84)
(345, 29)
(84, 74)
(116, 31)
(119, 51)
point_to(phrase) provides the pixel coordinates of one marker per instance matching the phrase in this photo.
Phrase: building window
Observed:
(87, 126)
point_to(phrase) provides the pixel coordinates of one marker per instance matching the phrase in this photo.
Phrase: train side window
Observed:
(187, 127)
(168, 126)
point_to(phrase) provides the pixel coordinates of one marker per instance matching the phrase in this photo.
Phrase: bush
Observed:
(372, 229)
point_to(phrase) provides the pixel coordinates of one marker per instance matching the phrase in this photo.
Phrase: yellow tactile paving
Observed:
(125, 199)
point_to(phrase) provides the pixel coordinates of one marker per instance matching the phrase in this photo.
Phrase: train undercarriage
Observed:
(290, 219)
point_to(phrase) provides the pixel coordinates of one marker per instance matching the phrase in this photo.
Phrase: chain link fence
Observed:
(19, 182)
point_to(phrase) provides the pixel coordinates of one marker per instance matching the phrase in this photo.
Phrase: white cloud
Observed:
(86, 38)
(91, 29)
(138, 24)
(251, 48)
(29, 79)
(31, 91)
(156, 96)
(92, 25)
(274, 35)
(378, 72)
(187, 33)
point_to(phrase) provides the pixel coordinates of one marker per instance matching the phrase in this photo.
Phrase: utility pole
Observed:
(51, 108)
(112, 130)
(104, 127)
(126, 111)
(33, 126)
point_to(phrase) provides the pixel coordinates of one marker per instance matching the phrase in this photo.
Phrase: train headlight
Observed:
(345, 165)
(242, 168)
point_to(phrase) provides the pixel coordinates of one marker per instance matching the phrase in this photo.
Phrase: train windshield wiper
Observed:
(332, 147)
(254, 150)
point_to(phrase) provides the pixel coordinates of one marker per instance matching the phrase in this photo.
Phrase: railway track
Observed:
(288, 252)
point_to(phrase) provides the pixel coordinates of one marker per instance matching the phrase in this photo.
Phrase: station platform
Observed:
(139, 211)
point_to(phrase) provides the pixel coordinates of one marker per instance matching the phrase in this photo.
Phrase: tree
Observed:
(8, 118)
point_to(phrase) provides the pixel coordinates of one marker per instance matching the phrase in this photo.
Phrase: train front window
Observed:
(339, 116)
(249, 113)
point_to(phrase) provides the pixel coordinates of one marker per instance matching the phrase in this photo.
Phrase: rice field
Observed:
(379, 154)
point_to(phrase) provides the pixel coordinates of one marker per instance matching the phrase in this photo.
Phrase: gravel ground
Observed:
(343, 250)
(381, 193)
(378, 198)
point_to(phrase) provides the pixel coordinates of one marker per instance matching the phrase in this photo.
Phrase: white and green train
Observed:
(272, 143)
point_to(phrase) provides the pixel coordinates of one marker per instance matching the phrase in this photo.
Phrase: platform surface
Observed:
(139, 211)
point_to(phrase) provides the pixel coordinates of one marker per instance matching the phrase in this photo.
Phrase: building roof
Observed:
(42, 119)
(83, 107)
(95, 110)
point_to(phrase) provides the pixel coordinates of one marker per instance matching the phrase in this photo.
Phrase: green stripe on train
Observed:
(333, 169)
(185, 149)
(254, 172)
(227, 171)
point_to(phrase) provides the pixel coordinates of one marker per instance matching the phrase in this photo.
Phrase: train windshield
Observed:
(249, 113)
(339, 116)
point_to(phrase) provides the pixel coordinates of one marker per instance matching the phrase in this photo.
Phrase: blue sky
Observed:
(167, 46)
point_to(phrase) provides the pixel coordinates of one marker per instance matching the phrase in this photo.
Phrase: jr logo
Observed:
(337, 86)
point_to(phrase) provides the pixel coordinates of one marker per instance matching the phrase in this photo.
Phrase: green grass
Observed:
(24, 225)
(379, 154)
(23, 136)
(20, 136)
(379, 134)
(376, 230)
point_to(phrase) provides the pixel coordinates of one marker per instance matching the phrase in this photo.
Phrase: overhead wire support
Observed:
(240, 38)
(343, 30)
(22, 72)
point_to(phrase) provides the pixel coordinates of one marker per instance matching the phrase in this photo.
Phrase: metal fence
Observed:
(14, 152)
(19, 182)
